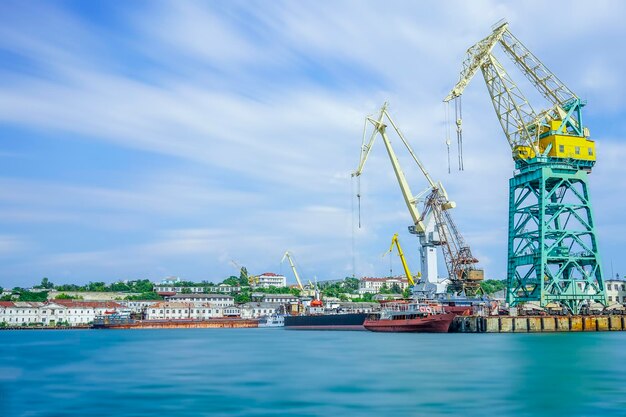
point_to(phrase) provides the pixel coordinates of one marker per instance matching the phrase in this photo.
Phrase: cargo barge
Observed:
(175, 324)
(347, 321)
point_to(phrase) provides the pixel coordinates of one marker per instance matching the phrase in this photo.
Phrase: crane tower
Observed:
(434, 225)
(553, 252)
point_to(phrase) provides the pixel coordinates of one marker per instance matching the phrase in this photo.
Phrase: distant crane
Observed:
(252, 279)
(552, 246)
(434, 226)
(288, 256)
(407, 271)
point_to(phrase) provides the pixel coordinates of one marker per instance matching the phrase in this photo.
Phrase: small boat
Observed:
(275, 320)
(411, 317)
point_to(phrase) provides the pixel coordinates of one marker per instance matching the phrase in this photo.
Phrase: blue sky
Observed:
(147, 139)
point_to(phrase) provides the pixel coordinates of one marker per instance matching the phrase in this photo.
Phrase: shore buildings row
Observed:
(198, 305)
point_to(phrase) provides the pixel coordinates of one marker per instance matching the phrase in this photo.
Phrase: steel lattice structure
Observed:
(553, 251)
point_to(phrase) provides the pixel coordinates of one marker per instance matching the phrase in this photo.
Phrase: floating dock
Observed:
(537, 324)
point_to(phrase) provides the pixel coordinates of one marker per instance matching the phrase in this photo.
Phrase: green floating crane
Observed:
(553, 252)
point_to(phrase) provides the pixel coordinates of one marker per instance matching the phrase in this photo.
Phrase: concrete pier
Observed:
(537, 324)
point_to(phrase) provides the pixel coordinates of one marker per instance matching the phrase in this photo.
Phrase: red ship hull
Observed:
(458, 310)
(432, 323)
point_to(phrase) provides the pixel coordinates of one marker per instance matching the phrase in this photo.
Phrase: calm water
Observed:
(274, 372)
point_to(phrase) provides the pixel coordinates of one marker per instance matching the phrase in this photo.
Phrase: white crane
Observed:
(424, 226)
(287, 256)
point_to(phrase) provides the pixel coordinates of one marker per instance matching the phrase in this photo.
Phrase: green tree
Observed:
(120, 287)
(45, 284)
(141, 286)
(384, 289)
(231, 280)
(368, 297)
(97, 287)
(243, 297)
(69, 287)
(145, 296)
(33, 296)
(186, 290)
(406, 293)
(492, 286)
(395, 289)
(244, 277)
(64, 296)
(351, 284)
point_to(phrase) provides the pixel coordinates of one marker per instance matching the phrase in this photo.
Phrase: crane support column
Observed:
(552, 251)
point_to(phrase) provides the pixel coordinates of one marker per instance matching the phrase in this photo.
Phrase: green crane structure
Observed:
(553, 254)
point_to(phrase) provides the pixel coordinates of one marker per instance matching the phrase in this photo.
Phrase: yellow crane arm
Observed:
(293, 267)
(477, 55)
(409, 198)
(407, 271)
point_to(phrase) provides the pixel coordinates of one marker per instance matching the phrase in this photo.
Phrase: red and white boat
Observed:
(411, 317)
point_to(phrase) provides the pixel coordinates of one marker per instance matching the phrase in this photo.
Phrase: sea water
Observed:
(277, 372)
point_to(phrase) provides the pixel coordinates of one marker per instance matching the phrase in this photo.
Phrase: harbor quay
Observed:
(538, 324)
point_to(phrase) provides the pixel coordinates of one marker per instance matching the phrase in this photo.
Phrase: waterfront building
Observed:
(218, 300)
(615, 290)
(255, 310)
(138, 306)
(51, 313)
(385, 297)
(270, 279)
(279, 298)
(76, 312)
(374, 285)
(169, 290)
(231, 311)
(16, 313)
(165, 310)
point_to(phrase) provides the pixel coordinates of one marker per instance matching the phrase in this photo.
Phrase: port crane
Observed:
(289, 257)
(252, 279)
(407, 271)
(434, 226)
(552, 247)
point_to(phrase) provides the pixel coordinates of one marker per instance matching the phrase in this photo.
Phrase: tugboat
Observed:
(412, 317)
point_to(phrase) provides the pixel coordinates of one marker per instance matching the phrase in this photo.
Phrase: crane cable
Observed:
(446, 110)
(458, 112)
(352, 224)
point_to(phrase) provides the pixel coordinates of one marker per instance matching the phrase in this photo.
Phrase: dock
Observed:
(538, 324)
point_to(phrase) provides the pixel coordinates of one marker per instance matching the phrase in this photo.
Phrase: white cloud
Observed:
(267, 105)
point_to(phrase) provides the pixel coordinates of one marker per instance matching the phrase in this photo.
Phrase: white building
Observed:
(138, 306)
(183, 310)
(279, 298)
(615, 290)
(270, 279)
(373, 285)
(168, 290)
(51, 313)
(256, 310)
(217, 300)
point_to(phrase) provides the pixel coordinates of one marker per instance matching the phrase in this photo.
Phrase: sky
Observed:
(149, 139)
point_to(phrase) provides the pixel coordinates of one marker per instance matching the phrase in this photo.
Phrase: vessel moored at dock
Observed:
(411, 317)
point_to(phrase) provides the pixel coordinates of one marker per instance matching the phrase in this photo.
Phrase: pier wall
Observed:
(537, 324)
